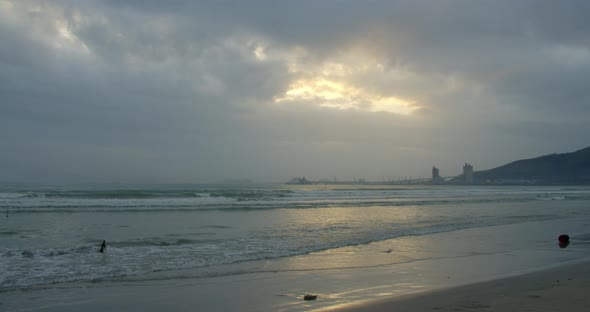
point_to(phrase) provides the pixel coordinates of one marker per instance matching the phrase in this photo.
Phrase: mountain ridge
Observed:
(563, 168)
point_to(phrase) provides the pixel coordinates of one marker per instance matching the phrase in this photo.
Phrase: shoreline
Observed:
(558, 288)
(442, 261)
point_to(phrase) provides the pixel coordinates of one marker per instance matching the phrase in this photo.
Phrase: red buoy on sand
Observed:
(563, 238)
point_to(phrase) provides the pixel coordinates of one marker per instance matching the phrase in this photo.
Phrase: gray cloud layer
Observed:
(185, 91)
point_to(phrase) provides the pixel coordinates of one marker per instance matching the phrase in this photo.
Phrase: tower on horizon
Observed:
(468, 173)
(436, 179)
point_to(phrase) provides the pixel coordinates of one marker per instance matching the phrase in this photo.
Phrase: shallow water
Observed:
(51, 235)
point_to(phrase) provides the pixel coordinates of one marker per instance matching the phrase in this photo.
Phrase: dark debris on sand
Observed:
(309, 297)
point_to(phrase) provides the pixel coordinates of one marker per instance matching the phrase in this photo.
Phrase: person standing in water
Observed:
(103, 247)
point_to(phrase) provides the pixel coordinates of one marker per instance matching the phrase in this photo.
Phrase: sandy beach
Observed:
(563, 288)
(557, 289)
(519, 268)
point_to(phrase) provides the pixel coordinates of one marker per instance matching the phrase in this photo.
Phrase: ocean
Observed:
(51, 235)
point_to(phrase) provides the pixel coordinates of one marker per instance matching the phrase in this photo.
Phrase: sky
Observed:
(202, 91)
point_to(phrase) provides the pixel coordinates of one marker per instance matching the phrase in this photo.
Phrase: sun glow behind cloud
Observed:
(343, 96)
(344, 81)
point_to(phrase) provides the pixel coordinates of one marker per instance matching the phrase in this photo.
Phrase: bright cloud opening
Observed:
(340, 95)
(345, 82)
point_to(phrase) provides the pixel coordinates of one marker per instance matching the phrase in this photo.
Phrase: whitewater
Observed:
(51, 235)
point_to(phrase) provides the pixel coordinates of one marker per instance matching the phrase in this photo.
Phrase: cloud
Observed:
(184, 91)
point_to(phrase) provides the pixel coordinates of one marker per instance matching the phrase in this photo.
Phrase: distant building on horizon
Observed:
(468, 173)
(436, 178)
(299, 181)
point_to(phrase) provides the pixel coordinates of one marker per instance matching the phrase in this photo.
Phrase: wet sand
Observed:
(558, 289)
(563, 288)
(516, 267)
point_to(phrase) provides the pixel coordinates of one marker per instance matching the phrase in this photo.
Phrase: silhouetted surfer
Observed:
(103, 247)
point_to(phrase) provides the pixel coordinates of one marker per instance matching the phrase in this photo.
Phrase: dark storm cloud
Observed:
(181, 91)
